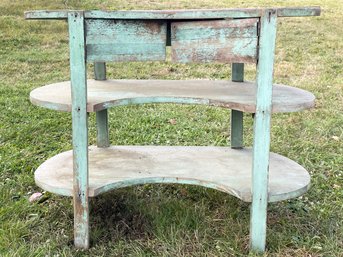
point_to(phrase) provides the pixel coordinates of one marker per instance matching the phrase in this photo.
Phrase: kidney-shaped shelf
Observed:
(234, 95)
(221, 168)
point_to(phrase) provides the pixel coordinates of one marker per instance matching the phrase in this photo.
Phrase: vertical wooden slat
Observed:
(101, 116)
(262, 121)
(237, 116)
(100, 70)
(80, 127)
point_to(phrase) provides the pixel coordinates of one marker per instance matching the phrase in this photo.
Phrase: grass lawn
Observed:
(170, 220)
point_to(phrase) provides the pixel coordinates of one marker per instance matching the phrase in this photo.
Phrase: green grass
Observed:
(170, 220)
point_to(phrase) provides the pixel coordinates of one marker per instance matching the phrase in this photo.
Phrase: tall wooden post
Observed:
(237, 116)
(101, 116)
(261, 145)
(80, 127)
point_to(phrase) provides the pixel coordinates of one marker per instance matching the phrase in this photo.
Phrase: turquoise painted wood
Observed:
(237, 116)
(80, 127)
(120, 40)
(221, 41)
(178, 14)
(261, 144)
(101, 116)
(227, 35)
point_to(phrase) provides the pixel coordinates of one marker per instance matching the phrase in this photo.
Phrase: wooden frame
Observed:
(82, 49)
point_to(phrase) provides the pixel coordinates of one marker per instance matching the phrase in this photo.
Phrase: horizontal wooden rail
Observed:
(178, 14)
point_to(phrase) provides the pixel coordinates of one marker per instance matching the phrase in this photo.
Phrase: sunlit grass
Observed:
(170, 220)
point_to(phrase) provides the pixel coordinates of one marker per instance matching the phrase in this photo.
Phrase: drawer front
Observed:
(224, 41)
(125, 40)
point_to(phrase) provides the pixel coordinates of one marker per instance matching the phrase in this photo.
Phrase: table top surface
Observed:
(176, 14)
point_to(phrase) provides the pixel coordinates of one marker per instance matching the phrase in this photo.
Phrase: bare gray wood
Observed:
(221, 168)
(233, 95)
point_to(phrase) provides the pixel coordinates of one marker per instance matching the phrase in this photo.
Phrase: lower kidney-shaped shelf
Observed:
(221, 168)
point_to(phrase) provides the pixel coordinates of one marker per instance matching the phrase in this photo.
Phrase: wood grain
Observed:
(234, 95)
(178, 14)
(120, 40)
(221, 168)
(262, 122)
(78, 78)
(224, 41)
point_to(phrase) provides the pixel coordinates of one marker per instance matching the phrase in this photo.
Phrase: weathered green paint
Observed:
(237, 116)
(101, 116)
(222, 41)
(80, 127)
(125, 40)
(261, 144)
(100, 70)
(298, 12)
(146, 100)
(102, 129)
(178, 14)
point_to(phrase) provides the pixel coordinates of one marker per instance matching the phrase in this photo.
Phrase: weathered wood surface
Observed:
(119, 40)
(178, 14)
(79, 177)
(221, 168)
(235, 95)
(262, 121)
(224, 41)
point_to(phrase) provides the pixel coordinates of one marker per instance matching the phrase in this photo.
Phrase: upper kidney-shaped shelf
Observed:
(234, 95)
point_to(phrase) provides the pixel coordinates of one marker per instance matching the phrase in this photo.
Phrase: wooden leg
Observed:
(261, 145)
(102, 129)
(101, 116)
(236, 129)
(237, 116)
(80, 127)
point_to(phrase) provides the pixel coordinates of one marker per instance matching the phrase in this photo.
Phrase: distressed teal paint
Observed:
(235, 50)
(101, 116)
(237, 116)
(120, 40)
(80, 127)
(177, 14)
(262, 121)
(126, 52)
(215, 30)
(124, 31)
(222, 41)
(145, 100)
(236, 129)
(298, 12)
(102, 129)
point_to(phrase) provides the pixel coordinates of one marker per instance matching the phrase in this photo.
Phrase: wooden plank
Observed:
(261, 144)
(80, 128)
(178, 14)
(207, 41)
(102, 139)
(298, 12)
(233, 95)
(221, 168)
(120, 40)
(122, 166)
(237, 116)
